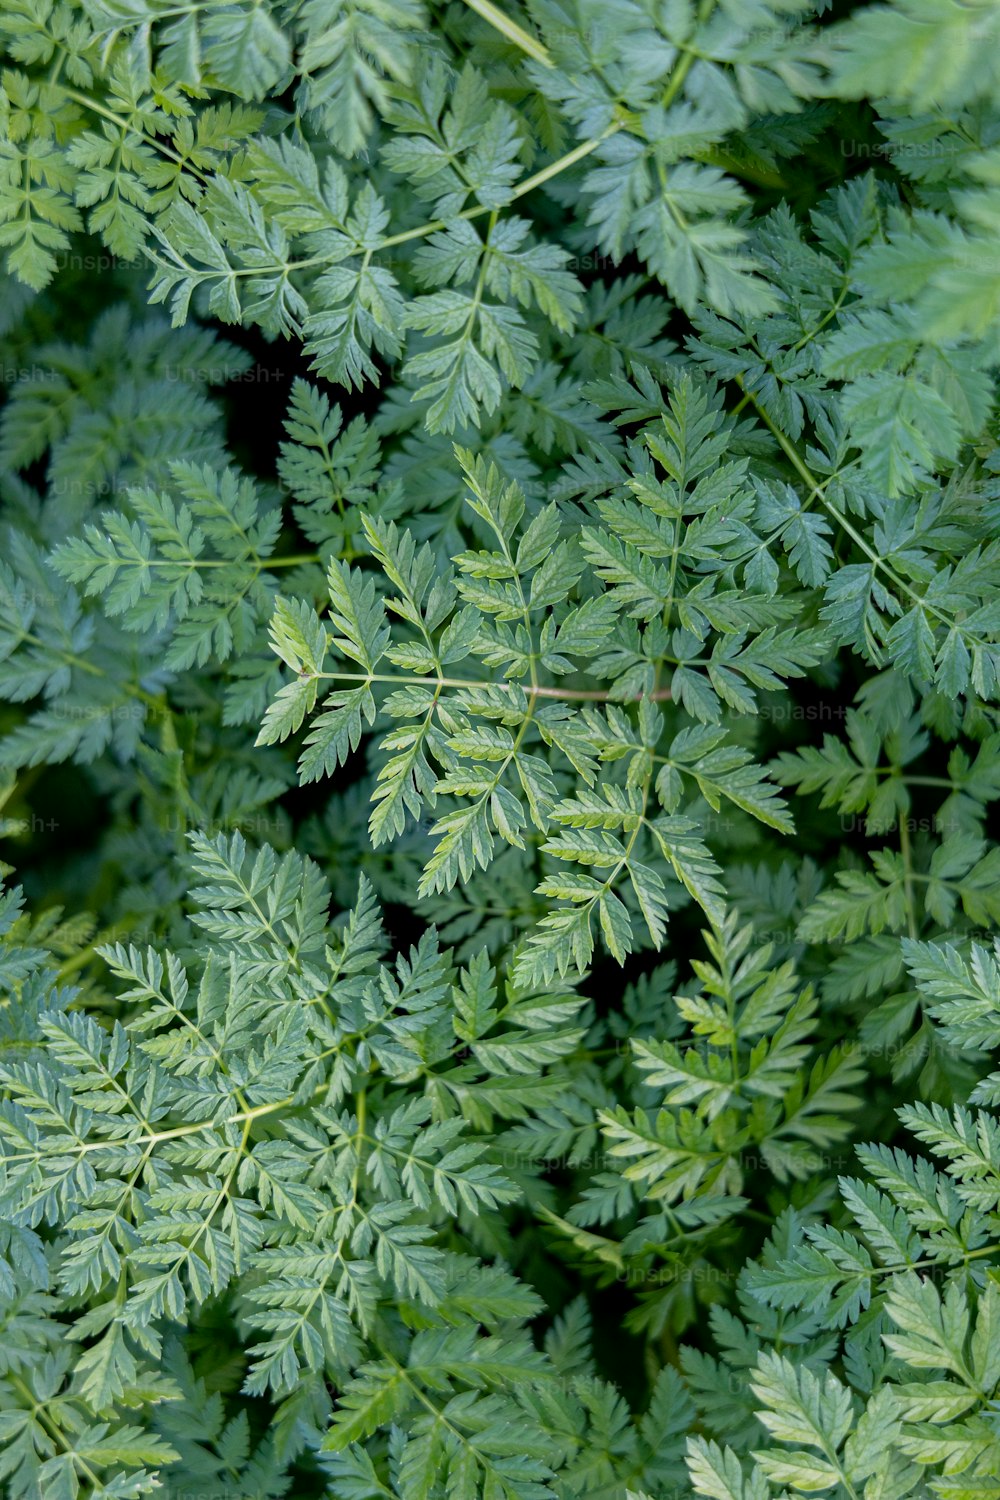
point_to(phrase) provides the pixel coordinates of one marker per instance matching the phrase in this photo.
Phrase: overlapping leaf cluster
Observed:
(500, 676)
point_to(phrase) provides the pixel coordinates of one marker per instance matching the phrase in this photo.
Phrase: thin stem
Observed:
(807, 338)
(528, 185)
(561, 164)
(361, 1107)
(682, 69)
(818, 489)
(565, 695)
(55, 1432)
(511, 30)
(124, 124)
(479, 1456)
(131, 689)
(907, 858)
(177, 1132)
(259, 564)
(900, 775)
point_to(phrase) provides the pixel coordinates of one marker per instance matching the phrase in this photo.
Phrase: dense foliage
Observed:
(500, 677)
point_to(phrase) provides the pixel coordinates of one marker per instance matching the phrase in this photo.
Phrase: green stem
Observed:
(56, 1434)
(907, 858)
(124, 124)
(565, 695)
(682, 69)
(818, 489)
(511, 30)
(561, 164)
